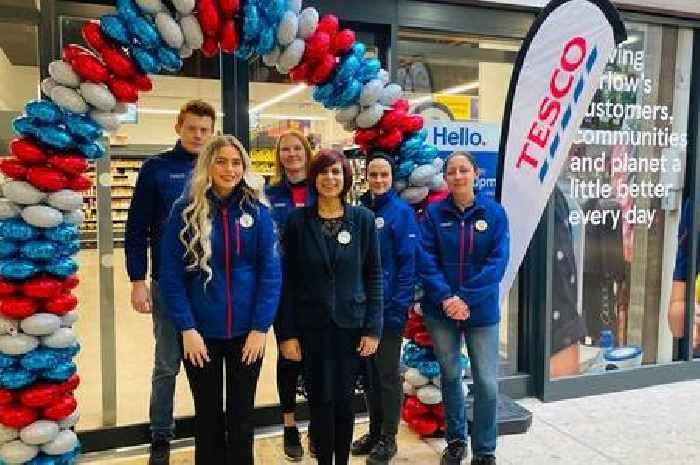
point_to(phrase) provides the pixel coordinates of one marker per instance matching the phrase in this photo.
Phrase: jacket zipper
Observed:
(461, 253)
(238, 238)
(229, 297)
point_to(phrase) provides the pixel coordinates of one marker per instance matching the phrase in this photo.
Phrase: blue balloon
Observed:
(350, 94)
(429, 369)
(358, 49)
(40, 359)
(273, 10)
(244, 51)
(40, 250)
(92, 150)
(266, 42)
(43, 459)
(67, 354)
(144, 32)
(17, 268)
(16, 378)
(405, 169)
(55, 136)
(128, 10)
(146, 60)
(8, 249)
(82, 127)
(69, 249)
(427, 154)
(7, 361)
(252, 22)
(169, 59)
(347, 69)
(61, 267)
(61, 372)
(323, 93)
(44, 111)
(16, 229)
(114, 28)
(62, 233)
(24, 126)
(369, 70)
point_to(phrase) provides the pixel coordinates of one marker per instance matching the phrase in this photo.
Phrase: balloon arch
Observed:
(58, 136)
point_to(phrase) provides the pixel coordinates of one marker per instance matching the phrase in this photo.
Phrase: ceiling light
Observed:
(283, 96)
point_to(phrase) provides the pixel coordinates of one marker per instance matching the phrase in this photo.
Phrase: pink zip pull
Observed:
(238, 237)
(471, 240)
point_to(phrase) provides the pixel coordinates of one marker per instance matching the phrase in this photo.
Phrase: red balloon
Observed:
(417, 407)
(71, 282)
(210, 47)
(124, 91)
(119, 63)
(13, 168)
(209, 19)
(79, 183)
(390, 140)
(439, 411)
(366, 136)
(90, 68)
(422, 338)
(6, 397)
(411, 123)
(92, 34)
(42, 287)
(229, 8)
(328, 24)
(142, 82)
(61, 304)
(7, 288)
(18, 307)
(401, 105)
(342, 41)
(47, 179)
(39, 395)
(27, 151)
(60, 408)
(71, 51)
(229, 36)
(424, 426)
(391, 119)
(299, 72)
(70, 163)
(316, 47)
(70, 385)
(17, 416)
(323, 70)
(412, 327)
(408, 415)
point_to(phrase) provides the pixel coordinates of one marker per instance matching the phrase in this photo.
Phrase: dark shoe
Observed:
(364, 445)
(312, 447)
(484, 460)
(160, 452)
(454, 453)
(292, 444)
(383, 451)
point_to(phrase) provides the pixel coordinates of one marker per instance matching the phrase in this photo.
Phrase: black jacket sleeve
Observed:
(372, 274)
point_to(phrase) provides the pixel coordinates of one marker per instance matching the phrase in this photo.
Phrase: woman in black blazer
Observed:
(331, 310)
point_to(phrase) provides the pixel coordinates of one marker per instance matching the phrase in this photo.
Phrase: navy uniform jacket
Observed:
(318, 292)
(680, 272)
(398, 238)
(161, 181)
(281, 202)
(464, 254)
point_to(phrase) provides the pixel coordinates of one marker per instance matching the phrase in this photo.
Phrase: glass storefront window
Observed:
(617, 208)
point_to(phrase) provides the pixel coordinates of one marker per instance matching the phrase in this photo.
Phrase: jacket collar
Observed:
(449, 207)
(377, 202)
(233, 199)
(178, 152)
(285, 187)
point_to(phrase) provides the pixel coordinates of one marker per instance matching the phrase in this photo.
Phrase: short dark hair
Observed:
(461, 153)
(323, 160)
(197, 108)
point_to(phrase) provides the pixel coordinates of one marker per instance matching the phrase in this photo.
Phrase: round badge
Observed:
(344, 237)
(481, 226)
(246, 220)
(379, 222)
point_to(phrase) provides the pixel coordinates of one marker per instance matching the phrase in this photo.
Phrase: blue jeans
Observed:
(482, 344)
(168, 356)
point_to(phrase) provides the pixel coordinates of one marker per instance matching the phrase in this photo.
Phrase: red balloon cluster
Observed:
(45, 170)
(390, 131)
(48, 401)
(220, 29)
(321, 52)
(38, 294)
(416, 330)
(425, 420)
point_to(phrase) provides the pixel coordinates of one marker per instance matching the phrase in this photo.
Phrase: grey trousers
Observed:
(384, 390)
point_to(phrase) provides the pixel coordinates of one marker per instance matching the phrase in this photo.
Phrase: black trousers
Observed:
(224, 437)
(288, 372)
(331, 362)
(384, 389)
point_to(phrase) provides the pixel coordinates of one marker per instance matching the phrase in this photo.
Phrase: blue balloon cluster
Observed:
(26, 250)
(69, 458)
(17, 372)
(259, 21)
(423, 360)
(352, 73)
(137, 32)
(60, 129)
(413, 152)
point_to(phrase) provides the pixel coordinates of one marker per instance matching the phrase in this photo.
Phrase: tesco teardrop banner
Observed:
(554, 79)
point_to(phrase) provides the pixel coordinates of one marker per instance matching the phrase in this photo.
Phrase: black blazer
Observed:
(317, 292)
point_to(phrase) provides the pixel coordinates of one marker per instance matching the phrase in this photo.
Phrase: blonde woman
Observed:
(220, 277)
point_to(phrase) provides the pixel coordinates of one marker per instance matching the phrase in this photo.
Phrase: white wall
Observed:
(18, 84)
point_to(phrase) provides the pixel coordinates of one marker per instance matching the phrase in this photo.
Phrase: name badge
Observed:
(446, 225)
(178, 175)
(280, 205)
(379, 222)
(344, 237)
(246, 220)
(481, 225)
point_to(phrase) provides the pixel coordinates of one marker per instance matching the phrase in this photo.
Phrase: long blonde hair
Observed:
(280, 174)
(197, 215)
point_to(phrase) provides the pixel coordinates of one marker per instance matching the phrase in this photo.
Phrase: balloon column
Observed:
(59, 134)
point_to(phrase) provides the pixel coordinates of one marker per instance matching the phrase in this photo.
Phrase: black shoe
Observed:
(364, 445)
(454, 453)
(160, 452)
(292, 444)
(383, 451)
(312, 447)
(484, 460)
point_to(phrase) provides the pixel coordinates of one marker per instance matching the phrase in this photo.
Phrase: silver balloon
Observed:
(184, 7)
(7, 434)
(65, 441)
(75, 217)
(108, 120)
(60, 339)
(98, 95)
(18, 344)
(41, 324)
(42, 216)
(192, 31)
(69, 319)
(429, 395)
(17, 452)
(8, 209)
(40, 432)
(63, 73)
(47, 86)
(69, 99)
(8, 326)
(22, 193)
(308, 21)
(150, 6)
(169, 30)
(71, 420)
(66, 200)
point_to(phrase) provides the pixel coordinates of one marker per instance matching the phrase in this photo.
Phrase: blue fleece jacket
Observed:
(398, 239)
(162, 179)
(464, 254)
(245, 285)
(281, 202)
